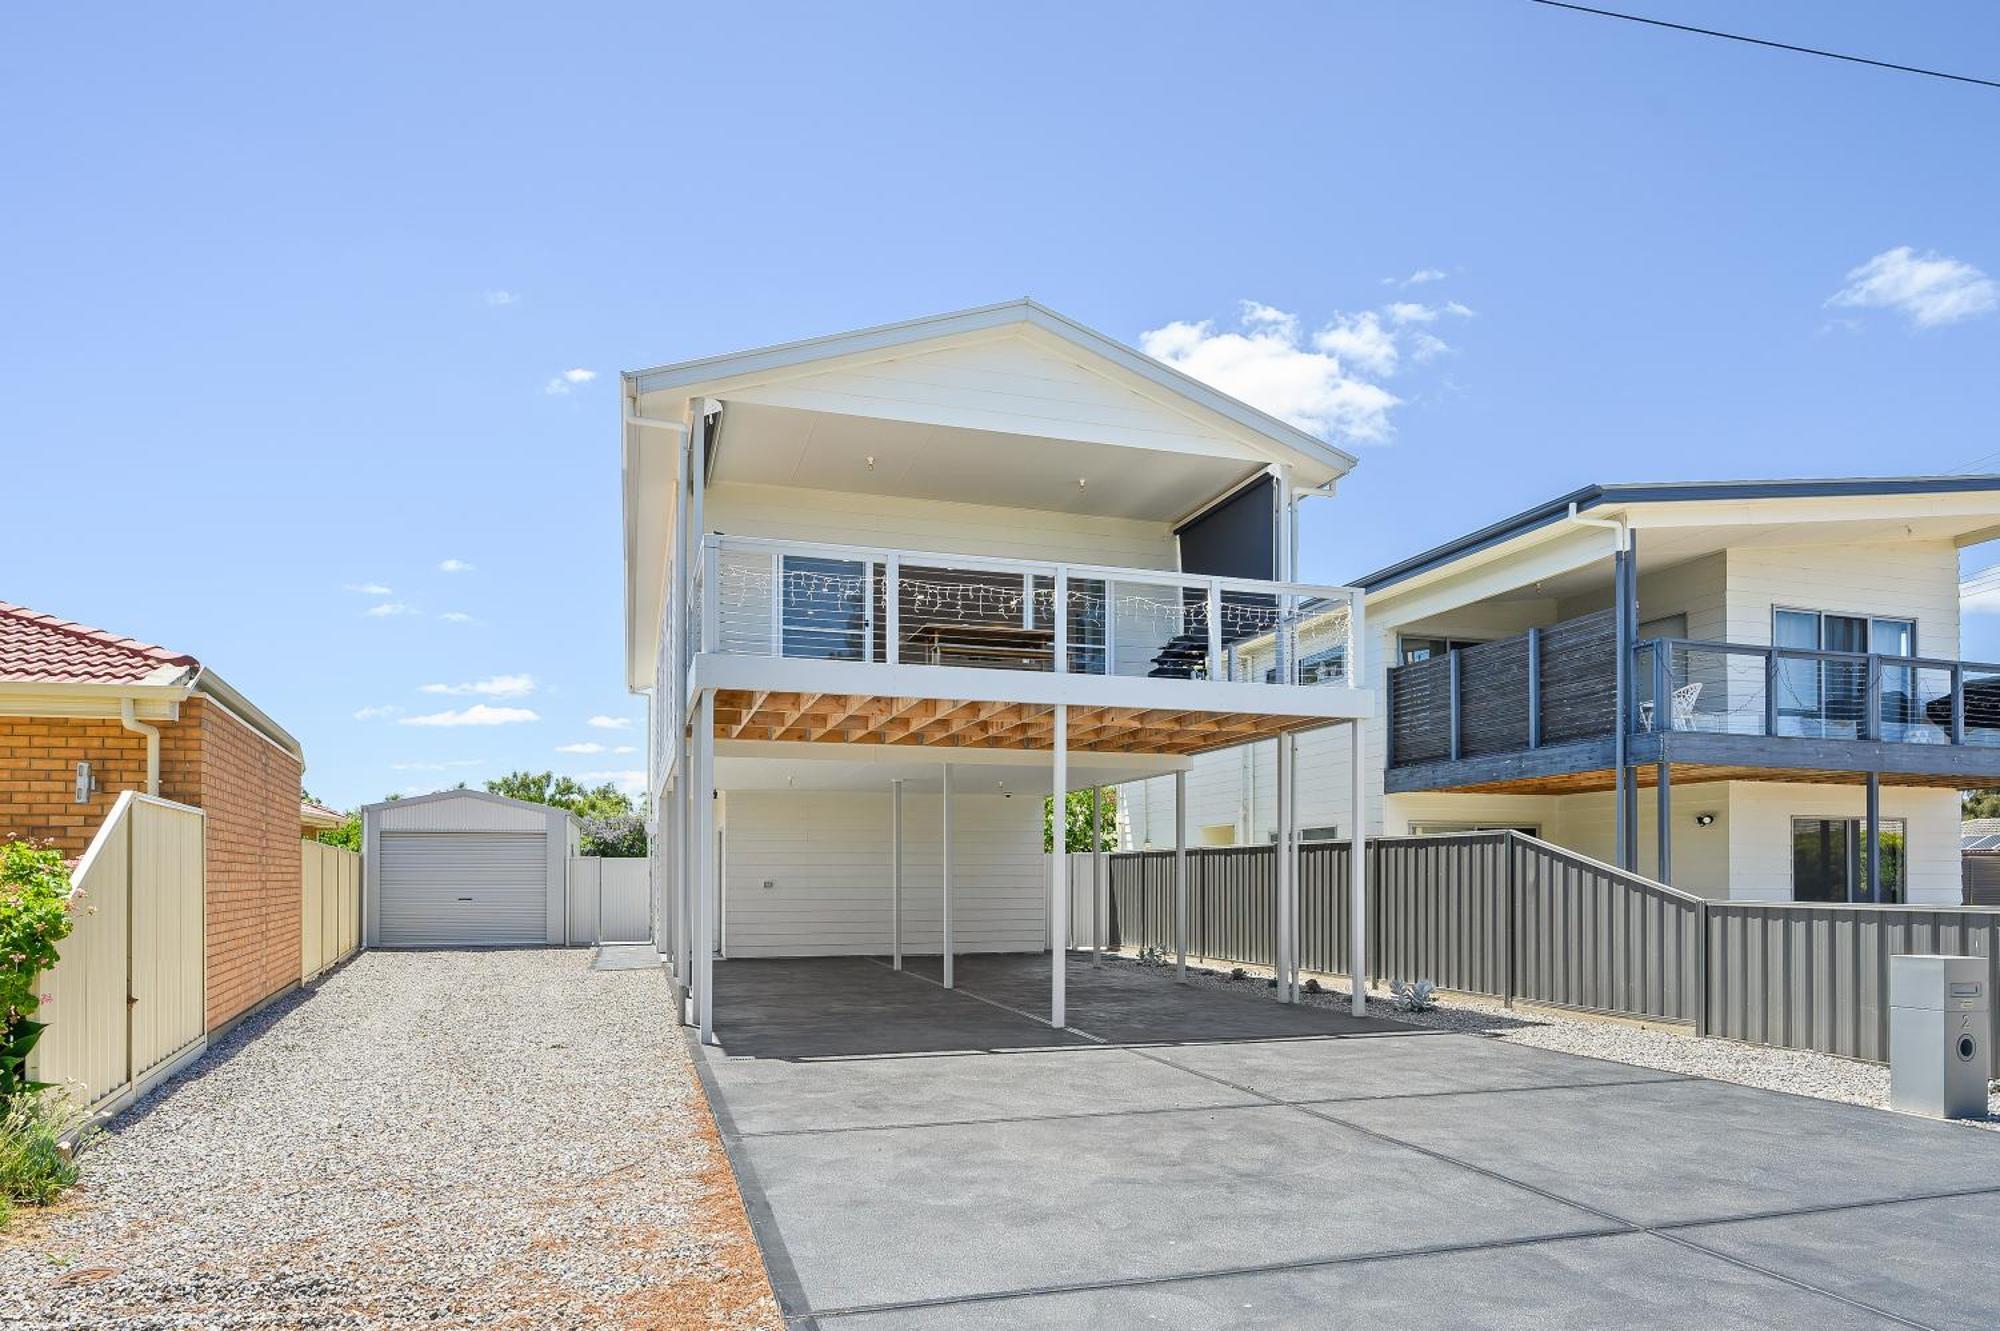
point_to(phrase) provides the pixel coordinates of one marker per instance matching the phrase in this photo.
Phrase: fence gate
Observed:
(610, 900)
(124, 1003)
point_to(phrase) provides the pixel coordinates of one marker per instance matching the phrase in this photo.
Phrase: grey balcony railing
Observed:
(1559, 684)
(759, 597)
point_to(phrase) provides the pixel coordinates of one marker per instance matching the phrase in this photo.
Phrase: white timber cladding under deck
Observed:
(778, 512)
(827, 859)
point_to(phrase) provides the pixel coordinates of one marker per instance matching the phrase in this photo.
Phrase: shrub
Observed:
(35, 1166)
(35, 906)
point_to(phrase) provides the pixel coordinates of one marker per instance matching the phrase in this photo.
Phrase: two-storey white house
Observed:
(888, 590)
(1747, 689)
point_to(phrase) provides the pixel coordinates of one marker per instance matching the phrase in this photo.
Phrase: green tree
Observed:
(1979, 804)
(1076, 833)
(35, 907)
(613, 825)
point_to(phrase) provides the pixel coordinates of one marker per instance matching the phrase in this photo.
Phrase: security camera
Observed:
(1704, 820)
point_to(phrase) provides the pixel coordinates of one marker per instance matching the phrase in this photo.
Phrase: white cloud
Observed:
(567, 380)
(455, 566)
(1463, 311)
(1409, 312)
(503, 298)
(631, 782)
(434, 767)
(626, 748)
(370, 589)
(1427, 346)
(388, 609)
(375, 713)
(495, 686)
(588, 746)
(1418, 278)
(610, 722)
(1929, 289)
(1322, 387)
(479, 714)
(456, 617)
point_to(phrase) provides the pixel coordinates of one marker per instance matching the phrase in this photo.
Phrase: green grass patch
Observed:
(35, 1165)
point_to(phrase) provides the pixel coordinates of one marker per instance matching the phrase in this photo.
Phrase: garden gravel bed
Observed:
(1797, 1072)
(491, 1139)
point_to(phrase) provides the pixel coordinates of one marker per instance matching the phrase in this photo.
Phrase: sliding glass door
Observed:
(1830, 859)
(1828, 699)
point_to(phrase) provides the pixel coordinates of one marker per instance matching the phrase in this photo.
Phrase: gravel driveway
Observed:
(493, 1139)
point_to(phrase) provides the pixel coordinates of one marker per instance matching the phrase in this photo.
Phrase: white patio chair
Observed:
(1683, 704)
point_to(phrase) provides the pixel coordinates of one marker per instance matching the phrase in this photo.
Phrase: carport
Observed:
(915, 1157)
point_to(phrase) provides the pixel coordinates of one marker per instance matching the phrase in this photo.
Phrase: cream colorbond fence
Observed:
(124, 1002)
(329, 907)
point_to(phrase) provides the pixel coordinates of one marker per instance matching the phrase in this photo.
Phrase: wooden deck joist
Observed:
(839, 718)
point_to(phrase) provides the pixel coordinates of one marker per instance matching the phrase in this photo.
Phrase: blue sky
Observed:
(284, 299)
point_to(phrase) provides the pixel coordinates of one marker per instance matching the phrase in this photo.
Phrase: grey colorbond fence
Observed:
(1512, 917)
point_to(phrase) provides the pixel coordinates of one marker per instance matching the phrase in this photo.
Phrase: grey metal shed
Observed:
(465, 868)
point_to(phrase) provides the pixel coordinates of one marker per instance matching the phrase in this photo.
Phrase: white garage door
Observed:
(460, 889)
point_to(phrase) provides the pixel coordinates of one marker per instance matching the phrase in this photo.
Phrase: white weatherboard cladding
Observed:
(1906, 580)
(827, 858)
(1760, 842)
(789, 513)
(1010, 385)
(453, 889)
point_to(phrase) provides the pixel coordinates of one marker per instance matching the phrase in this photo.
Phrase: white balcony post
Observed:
(1357, 872)
(945, 805)
(711, 593)
(1110, 628)
(893, 593)
(704, 854)
(777, 604)
(1061, 616)
(896, 873)
(1028, 600)
(1357, 623)
(1214, 629)
(1180, 877)
(1058, 865)
(1096, 875)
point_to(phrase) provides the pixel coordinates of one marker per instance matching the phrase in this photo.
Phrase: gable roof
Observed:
(1668, 492)
(484, 796)
(711, 374)
(40, 648)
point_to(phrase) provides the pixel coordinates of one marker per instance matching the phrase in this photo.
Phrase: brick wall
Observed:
(249, 789)
(250, 792)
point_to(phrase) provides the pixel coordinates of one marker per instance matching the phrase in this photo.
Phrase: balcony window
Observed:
(1423, 649)
(1829, 699)
(1830, 859)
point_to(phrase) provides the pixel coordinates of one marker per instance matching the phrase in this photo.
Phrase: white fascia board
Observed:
(645, 581)
(967, 684)
(1979, 510)
(151, 702)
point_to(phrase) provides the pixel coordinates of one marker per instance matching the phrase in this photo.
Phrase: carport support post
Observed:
(896, 873)
(1357, 868)
(1097, 874)
(1874, 830)
(945, 803)
(1058, 869)
(704, 855)
(1283, 850)
(1180, 877)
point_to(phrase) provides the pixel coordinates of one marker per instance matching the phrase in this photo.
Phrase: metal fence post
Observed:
(1701, 963)
(1511, 934)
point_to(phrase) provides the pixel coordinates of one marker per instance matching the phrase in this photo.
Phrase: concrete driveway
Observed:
(917, 1158)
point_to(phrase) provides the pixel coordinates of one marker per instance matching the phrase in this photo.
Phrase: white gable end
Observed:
(1009, 384)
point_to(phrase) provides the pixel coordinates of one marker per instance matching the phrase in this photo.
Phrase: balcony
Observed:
(1538, 712)
(1222, 659)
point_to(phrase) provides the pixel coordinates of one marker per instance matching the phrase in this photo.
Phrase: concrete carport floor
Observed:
(916, 1157)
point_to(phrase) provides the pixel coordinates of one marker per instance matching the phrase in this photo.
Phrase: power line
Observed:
(1776, 46)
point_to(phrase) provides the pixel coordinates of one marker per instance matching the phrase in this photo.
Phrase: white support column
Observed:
(1357, 872)
(1097, 911)
(1180, 877)
(896, 873)
(1295, 874)
(1282, 906)
(945, 803)
(1058, 870)
(703, 793)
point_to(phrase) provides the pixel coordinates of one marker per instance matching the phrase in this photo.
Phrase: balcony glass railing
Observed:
(1796, 692)
(756, 597)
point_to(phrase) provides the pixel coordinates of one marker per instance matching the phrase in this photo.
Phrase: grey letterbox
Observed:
(1938, 1023)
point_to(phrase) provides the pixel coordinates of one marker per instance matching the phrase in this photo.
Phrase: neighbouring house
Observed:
(887, 590)
(1979, 851)
(85, 714)
(1749, 690)
(317, 818)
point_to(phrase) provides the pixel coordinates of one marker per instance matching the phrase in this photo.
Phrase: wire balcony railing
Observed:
(759, 597)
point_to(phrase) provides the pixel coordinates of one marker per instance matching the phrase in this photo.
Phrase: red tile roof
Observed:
(39, 648)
